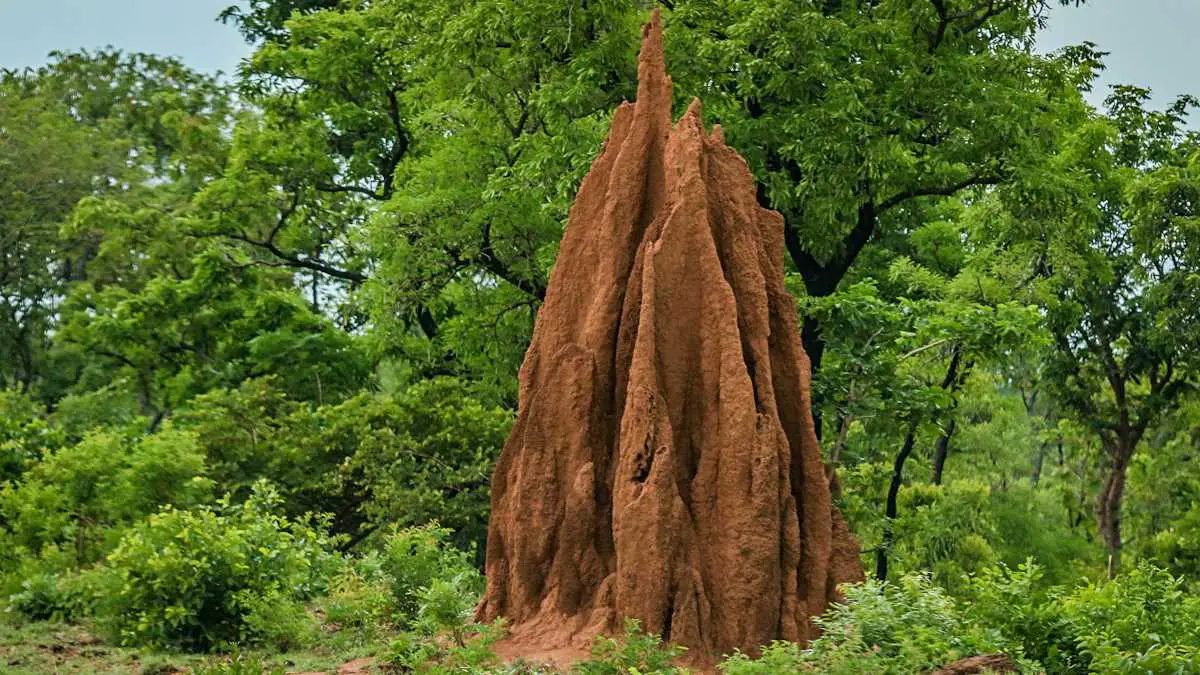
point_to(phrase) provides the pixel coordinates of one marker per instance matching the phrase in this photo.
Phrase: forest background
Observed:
(257, 332)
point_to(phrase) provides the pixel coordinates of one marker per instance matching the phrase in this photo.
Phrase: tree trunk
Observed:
(942, 450)
(892, 510)
(1039, 460)
(955, 377)
(951, 382)
(821, 280)
(1108, 503)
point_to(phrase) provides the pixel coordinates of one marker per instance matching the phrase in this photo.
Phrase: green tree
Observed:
(859, 117)
(452, 162)
(179, 337)
(42, 175)
(1119, 266)
(88, 125)
(1163, 502)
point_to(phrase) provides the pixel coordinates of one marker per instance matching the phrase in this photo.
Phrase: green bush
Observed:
(35, 587)
(947, 529)
(359, 603)
(908, 626)
(635, 652)
(80, 497)
(417, 653)
(414, 558)
(240, 664)
(433, 592)
(777, 657)
(72, 506)
(278, 619)
(423, 454)
(447, 605)
(53, 596)
(24, 435)
(254, 432)
(1015, 603)
(1141, 622)
(199, 579)
(1063, 553)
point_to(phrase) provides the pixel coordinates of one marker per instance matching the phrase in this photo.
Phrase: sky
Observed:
(30, 29)
(1150, 41)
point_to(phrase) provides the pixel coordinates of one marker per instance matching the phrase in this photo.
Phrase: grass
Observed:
(40, 648)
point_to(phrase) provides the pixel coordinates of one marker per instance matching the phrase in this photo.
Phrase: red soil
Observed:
(663, 465)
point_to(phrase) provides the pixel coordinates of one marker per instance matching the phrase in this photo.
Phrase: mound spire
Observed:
(663, 465)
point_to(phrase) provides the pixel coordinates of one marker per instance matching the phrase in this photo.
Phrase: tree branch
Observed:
(938, 190)
(822, 280)
(292, 259)
(492, 263)
(922, 348)
(979, 14)
(939, 33)
(357, 189)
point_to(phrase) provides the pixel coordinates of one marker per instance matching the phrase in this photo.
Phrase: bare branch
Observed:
(931, 345)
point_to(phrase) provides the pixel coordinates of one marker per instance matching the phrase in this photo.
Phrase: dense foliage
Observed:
(259, 334)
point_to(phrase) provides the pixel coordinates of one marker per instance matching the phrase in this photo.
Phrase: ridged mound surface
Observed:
(663, 465)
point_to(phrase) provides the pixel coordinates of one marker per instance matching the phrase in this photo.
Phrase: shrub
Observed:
(81, 495)
(777, 657)
(29, 587)
(908, 626)
(417, 653)
(417, 582)
(49, 596)
(278, 620)
(1177, 546)
(423, 454)
(255, 431)
(1063, 552)
(359, 602)
(635, 652)
(416, 557)
(199, 579)
(239, 664)
(1015, 603)
(1140, 622)
(24, 434)
(444, 638)
(946, 529)
(447, 605)
(438, 578)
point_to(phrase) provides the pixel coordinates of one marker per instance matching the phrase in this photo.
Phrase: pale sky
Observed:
(1152, 42)
(30, 29)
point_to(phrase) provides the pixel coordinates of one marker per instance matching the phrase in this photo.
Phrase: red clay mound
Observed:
(663, 465)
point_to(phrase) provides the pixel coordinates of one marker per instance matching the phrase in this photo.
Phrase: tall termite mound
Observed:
(663, 465)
